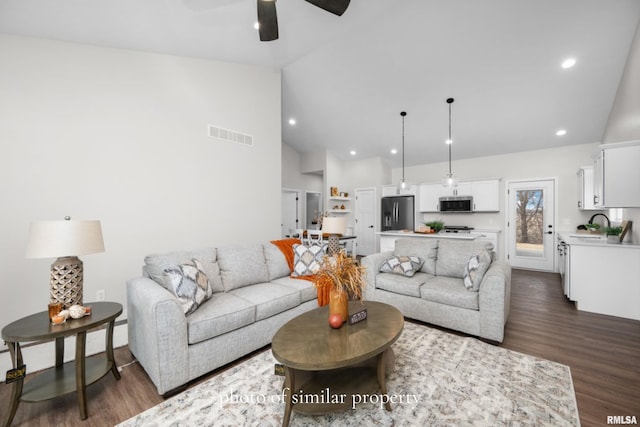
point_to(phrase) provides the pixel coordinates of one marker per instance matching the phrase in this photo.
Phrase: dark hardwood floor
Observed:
(602, 351)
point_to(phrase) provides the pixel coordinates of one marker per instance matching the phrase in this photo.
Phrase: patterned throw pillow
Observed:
(307, 259)
(189, 284)
(475, 269)
(405, 265)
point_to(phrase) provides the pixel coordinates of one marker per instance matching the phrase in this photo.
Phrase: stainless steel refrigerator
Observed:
(397, 213)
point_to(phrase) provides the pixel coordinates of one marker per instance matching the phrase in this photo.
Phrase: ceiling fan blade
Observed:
(337, 7)
(268, 20)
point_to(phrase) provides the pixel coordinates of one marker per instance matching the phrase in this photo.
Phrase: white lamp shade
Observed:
(334, 225)
(55, 239)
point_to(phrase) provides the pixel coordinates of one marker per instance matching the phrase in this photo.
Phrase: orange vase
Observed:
(339, 303)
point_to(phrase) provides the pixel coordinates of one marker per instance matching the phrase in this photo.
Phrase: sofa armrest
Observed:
(157, 330)
(372, 264)
(494, 300)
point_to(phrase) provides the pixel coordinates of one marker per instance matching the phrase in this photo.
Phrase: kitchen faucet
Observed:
(595, 215)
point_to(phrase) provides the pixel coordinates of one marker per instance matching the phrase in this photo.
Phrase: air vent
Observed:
(230, 135)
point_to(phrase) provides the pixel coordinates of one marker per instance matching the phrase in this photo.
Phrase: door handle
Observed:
(371, 226)
(549, 232)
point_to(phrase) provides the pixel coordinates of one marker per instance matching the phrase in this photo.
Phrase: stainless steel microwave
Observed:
(456, 204)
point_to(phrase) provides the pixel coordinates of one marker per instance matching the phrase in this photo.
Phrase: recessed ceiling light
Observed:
(352, 152)
(394, 151)
(256, 25)
(449, 141)
(292, 121)
(568, 63)
(561, 132)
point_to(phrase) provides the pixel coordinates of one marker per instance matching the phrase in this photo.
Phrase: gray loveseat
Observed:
(253, 296)
(436, 293)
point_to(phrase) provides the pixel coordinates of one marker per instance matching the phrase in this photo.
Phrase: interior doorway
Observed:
(365, 220)
(530, 224)
(313, 204)
(290, 211)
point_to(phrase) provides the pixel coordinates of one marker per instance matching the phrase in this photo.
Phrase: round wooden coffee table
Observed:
(333, 369)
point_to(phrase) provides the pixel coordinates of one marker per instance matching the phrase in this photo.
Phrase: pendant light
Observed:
(403, 185)
(450, 179)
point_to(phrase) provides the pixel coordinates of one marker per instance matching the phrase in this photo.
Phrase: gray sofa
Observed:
(253, 296)
(437, 294)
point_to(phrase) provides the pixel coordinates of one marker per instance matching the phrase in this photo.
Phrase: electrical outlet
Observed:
(100, 295)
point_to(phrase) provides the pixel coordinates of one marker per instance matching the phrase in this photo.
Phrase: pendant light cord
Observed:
(450, 101)
(403, 114)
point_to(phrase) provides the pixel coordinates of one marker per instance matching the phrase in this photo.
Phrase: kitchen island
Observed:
(601, 277)
(388, 238)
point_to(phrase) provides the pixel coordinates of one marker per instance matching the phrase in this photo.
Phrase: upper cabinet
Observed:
(616, 175)
(486, 195)
(392, 190)
(585, 188)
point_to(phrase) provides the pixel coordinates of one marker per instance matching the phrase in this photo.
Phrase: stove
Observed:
(457, 229)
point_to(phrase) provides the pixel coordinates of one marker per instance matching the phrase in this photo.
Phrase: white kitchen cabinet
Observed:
(616, 175)
(430, 197)
(430, 194)
(486, 195)
(392, 190)
(602, 279)
(585, 188)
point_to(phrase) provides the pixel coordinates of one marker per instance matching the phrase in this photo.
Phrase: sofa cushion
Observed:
(306, 288)
(475, 268)
(449, 291)
(218, 315)
(404, 265)
(156, 263)
(453, 255)
(242, 265)
(269, 298)
(307, 259)
(425, 248)
(401, 284)
(189, 283)
(276, 262)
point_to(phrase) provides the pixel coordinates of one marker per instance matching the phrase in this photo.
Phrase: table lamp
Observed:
(65, 240)
(334, 227)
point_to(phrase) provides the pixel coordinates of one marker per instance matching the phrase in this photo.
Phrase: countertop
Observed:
(579, 239)
(460, 236)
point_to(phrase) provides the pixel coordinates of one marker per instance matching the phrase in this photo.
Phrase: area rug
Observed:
(439, 379)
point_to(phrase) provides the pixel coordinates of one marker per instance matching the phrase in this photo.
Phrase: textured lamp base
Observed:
(66, 281)
(334, 244)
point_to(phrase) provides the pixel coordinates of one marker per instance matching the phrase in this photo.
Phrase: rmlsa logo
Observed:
(621, 419)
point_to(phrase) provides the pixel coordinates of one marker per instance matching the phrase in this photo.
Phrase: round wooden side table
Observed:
(64, 377)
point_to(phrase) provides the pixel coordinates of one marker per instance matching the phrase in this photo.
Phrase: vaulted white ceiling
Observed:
(346, 79)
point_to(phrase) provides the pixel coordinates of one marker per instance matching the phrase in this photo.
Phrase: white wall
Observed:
(624, 120)
(120, 136)
(292, 177)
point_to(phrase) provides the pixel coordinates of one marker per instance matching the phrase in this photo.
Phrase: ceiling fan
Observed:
(268, 19)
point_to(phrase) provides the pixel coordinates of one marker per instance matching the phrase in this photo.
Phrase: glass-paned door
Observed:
(530, 230)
